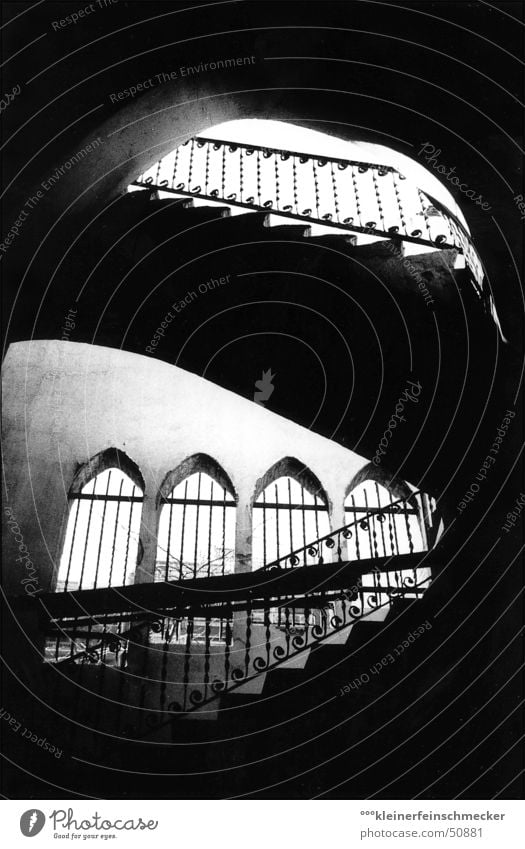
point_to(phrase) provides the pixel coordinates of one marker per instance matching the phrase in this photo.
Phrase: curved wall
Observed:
(65, 402)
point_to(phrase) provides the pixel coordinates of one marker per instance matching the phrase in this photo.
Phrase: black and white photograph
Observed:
(262, 421)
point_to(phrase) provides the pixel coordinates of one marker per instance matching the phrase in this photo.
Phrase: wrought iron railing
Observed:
(153, 653)
(365, 537)
(361, 197)
(161, 669)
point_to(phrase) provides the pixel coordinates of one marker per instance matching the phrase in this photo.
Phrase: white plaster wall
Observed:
(64, 402)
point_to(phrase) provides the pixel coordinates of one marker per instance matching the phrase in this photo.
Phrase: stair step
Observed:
(339, 638)
(400, 606)
(169, 203)
(177, 213)
(142, 202)
(280, 681)
(363, 633)
(288, 231)
(327, 660)
(249, 220)
(337, 241)
(379, 614)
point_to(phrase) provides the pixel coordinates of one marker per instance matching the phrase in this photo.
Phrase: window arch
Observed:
(395, 526)
(388, 519)
(290, 510)
(101, 544)
(196, 536)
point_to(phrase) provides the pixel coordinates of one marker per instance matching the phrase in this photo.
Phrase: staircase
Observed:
(132, 679)
(320, 712)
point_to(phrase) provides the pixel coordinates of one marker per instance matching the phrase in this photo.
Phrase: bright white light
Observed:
(397, 533)
(288, 136)
(101, 545)
(279, 529)
(278, 134)
(196, 540)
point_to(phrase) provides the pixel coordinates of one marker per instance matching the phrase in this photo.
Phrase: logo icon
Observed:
(32, 822)
(264, 386)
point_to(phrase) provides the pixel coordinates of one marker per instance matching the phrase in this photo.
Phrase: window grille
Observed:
(392, 527)
(102, 534)
(287, 516)
(196, 536)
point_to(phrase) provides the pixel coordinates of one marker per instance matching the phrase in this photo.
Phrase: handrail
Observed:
(314, 548)
(360, 197)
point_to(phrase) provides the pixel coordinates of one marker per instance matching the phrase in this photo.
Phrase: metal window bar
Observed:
(168, 547)
(115, 535)
(198, 505)
(93, 538)
(209, 530)
(76, 507)
(287, 507)
(102, 528)
(86, 540)
(130, 525)
(181, 560)
(206, 539)
(299, 556)
(223, 533)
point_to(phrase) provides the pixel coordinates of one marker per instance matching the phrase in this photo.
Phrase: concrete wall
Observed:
(65, 402)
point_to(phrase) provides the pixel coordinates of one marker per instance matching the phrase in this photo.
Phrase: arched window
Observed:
(102, 534)
(392, 527)
(289, 513)
(385, 522)
(196, 535)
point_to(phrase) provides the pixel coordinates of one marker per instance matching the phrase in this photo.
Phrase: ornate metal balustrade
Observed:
(401, 526)
(148, 654)
(361, 197)
(143, 674)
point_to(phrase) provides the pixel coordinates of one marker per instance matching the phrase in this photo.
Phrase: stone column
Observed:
(243, 563)
(145, 570)
(243, 534)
